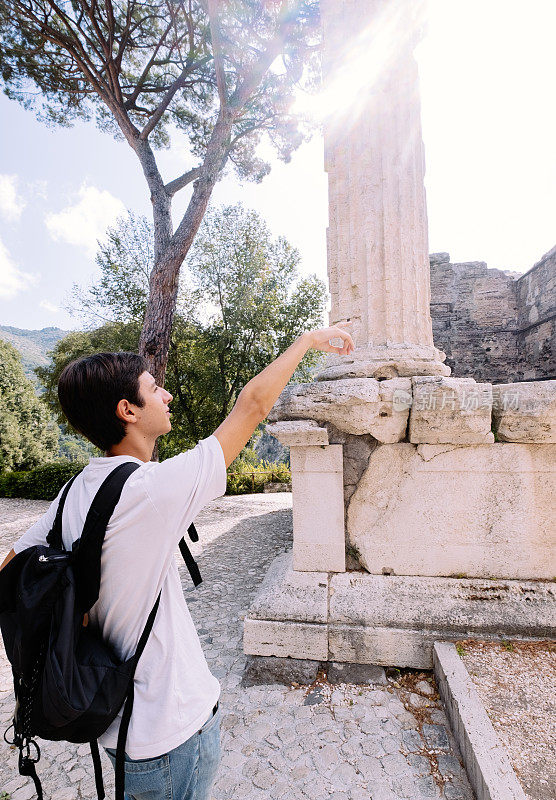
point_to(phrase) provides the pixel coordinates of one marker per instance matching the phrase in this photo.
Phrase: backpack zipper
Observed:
(45, 559)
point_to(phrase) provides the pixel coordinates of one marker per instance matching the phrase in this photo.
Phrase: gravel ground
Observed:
(517, 684)
(346, 742)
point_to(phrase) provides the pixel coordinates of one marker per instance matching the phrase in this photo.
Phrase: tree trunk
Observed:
(170, 254)
(163, 288)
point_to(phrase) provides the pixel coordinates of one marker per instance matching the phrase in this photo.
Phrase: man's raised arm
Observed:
(259, 395)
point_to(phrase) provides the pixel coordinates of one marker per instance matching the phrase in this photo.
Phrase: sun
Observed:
(356, 63)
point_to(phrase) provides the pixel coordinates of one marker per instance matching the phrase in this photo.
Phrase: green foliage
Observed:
(111, 337)
(145, 68)
(124, 259)
(75, 448)
(45, 482)
(246, 477)
(257, 306)
(41, 483)
(28, 435)
(460, 649)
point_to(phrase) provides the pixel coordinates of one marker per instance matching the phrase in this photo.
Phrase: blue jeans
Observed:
(185, 773)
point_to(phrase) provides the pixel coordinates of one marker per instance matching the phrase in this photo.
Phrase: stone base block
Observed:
(478, 510)
(265, 670)
(450, 411)
(298, 432)
(360, 674)
(386, 646)
(389, 620)
(525, 412)
(319, 543)
(288, 595)
(285, 639)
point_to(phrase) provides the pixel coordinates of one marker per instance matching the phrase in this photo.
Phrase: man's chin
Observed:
(166, 430)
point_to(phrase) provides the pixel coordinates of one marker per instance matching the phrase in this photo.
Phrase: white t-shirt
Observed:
(174, 688)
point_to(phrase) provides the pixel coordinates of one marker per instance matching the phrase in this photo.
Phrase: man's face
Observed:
(154, 416)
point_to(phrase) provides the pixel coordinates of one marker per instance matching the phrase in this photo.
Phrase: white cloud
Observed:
(86, 221)
(12, 280)
(48, 306)
(11, 204)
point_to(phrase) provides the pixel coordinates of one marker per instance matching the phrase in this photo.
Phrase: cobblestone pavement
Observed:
(345, 742)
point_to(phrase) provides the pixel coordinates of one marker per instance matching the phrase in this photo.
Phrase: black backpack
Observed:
(69, 684)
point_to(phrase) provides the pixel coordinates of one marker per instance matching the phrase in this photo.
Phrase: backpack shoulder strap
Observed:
(190, 562)
(54, 538)
(89, 546)
(128, 706)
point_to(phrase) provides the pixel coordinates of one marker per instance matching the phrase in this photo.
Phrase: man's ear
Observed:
(125, 411)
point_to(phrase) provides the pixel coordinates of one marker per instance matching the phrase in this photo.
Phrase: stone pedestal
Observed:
(525, 412)
(318, 508)
(359, 406)
(450, 539)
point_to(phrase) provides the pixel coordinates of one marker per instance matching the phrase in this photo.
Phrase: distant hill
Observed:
(33, 345)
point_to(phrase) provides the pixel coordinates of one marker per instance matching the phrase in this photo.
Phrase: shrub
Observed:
(246, 478)
(44, 483)
(41, 483)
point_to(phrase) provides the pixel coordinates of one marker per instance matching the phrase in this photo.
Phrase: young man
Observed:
(173, 742)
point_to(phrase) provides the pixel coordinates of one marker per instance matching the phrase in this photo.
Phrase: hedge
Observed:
(41, 483)
(44, 483)
(243, 480)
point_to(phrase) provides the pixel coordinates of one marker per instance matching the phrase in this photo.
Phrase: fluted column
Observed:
(377, 239)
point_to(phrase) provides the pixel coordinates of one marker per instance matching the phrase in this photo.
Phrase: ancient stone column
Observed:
(377, 239)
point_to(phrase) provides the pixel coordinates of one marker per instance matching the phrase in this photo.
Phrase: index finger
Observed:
(345, 336)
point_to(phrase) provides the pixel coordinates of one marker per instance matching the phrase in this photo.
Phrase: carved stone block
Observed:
(450, 411)
(525, 412)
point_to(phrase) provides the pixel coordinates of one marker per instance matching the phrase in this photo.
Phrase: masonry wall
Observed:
(536, 340)
(495, 326)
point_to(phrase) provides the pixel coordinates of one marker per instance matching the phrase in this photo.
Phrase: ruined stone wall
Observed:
(536, 340)
(493, 325)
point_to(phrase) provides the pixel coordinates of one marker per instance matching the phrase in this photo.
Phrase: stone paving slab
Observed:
(344, 742)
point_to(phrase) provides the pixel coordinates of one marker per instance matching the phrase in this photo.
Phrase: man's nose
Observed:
(170, 397)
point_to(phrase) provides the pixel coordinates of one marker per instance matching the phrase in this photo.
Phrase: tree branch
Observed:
(253, 78)
(168, 97)
(137, 91)
(217, 52)
(179, 183)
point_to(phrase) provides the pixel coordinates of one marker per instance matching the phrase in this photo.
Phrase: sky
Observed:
(487, 70)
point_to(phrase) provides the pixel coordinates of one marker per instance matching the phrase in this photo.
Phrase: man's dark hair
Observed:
(90, 388)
